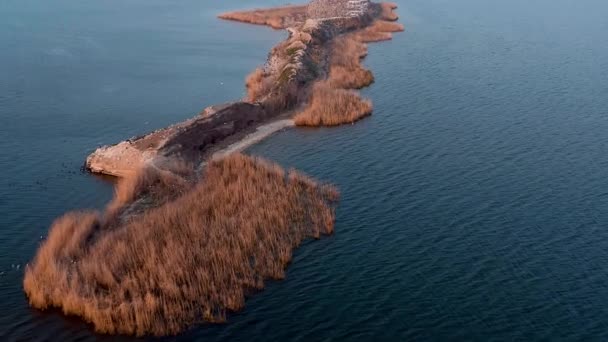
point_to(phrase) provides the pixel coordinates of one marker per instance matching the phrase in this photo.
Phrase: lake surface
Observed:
(474, 200)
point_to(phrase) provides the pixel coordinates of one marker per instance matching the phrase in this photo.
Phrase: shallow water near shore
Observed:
(474, 199)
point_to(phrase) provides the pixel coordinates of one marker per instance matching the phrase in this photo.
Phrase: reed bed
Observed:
(331, 106)
(332, 102)
(345, 69)
(344, 78)
(190, 259)
(379, 30)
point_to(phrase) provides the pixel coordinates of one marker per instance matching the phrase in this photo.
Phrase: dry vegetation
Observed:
(155, 185)
(387, 26)
(345, 69)
(331, 106)
(331, 102)
(380, 30)
(344, 78)
(278, 18)
(189, 259)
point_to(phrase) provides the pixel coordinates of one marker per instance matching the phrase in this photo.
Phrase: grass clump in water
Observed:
(332, 101)
(379, 31)
(345, 69)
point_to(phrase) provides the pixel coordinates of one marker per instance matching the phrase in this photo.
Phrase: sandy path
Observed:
(260, 134)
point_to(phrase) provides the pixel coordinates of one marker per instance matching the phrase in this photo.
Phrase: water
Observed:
(474, 200)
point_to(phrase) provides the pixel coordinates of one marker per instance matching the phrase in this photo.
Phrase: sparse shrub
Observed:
(379, 30)
(258, 85)
(283, 98)
(311, 68)
(191, 259)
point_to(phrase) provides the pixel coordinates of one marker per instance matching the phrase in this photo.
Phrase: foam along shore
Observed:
(286, 81)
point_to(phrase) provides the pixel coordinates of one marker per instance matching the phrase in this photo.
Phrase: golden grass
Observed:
(190, 259)
(158, 186)
(345, 78)
(278, 17)
(331, 103)
(345, 69)
(331, 106)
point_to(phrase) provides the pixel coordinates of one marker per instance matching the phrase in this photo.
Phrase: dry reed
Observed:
(356, 78)
(345, 69)
(190, 259)
(156, 185)
(331, 102)
(331, 106)
(379, 30)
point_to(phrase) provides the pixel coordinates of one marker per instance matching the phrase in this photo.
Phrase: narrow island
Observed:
(308, 80)
(194, 226)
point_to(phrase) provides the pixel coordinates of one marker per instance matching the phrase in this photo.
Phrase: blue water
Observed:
(474, 200)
